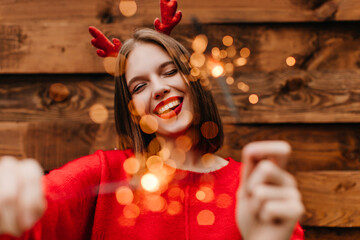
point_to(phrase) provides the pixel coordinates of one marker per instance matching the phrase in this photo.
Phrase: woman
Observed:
(176, 187)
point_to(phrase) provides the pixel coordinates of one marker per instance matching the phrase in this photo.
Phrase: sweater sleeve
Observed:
(71, 198)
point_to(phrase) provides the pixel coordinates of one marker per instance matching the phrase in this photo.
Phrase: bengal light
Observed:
(128, 8)
(150, 182)
(98, 113)
(205, 217)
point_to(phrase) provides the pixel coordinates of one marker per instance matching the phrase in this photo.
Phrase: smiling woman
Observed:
(163, 85)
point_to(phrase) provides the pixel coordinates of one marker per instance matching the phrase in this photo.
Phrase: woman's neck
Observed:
(178, 151)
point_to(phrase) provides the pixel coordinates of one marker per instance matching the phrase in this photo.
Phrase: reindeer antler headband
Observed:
(169, 19)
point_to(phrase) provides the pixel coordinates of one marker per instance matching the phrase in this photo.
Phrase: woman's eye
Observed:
(171, 72)
(138, 87)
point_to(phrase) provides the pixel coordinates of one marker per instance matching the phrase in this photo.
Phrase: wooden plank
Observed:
(331, 198)
(205, 11)
(315, 147)
(285, 97)
(64, 47)
(331, 233)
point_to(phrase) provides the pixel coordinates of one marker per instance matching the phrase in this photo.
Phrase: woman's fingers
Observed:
(279, 211)
(21, 195)
(255, 152)
(268, 173)
(31, 202)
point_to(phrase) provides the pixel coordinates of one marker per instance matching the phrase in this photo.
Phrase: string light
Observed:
(209, 130)
(131, 165)
(244, 52)
(150, 182)
(199, 44)
(217, 71)
(205, 217)
(124, 195)
(227, 40)
(243, 87)
(229, 80)
(148, 124)
(241, 61)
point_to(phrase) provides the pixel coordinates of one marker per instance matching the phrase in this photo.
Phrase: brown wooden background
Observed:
(314, 105)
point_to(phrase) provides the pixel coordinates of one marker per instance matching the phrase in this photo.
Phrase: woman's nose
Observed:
(160, 89)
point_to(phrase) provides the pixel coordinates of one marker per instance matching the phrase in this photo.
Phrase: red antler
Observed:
(169, 16)
(106, 47)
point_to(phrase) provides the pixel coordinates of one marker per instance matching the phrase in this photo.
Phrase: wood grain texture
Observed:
(331, 233)
(205, 11)
(64, 47)
(286, 97)
(331, 198)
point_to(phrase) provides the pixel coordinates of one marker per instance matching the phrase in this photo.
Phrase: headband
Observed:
(169, 19)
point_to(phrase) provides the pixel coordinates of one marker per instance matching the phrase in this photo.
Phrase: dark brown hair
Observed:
(128, 129)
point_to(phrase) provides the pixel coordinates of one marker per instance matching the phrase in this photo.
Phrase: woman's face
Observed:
(158, 89)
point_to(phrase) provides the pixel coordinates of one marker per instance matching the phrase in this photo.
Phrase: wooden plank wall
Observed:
(50, 78)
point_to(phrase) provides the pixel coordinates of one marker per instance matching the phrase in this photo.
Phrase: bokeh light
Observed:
(243, 86)
(174, 208)
(164, 153)
(227, 40)
(223, 200)
(290, 61)
(253, 99)
(139, 110)
(179, 155)
(209, 130)
(231, 51)
(229, 80)
(154, 163)
(155, 203)
(217, 71)
(205, 217)
(195, 72)
(205, 193)
(98, 113)
(197, 59)
(131, 165)
(199, 44)
(128, 8)
(223, 53)
(150, 182)
(215, 52)
(148, 124)
(183, 142)
(241, 61)
(58, 92)
(208, 160)
(124, 195)
(229, 68)
(131, 211)
(244, 52)
(176, 193)
(109, 65)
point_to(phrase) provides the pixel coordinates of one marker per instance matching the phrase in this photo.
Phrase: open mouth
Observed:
(169, 108)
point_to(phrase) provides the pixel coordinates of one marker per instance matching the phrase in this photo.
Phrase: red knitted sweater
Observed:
(82, 204)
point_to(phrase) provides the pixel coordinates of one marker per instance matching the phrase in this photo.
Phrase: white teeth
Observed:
(168, 106)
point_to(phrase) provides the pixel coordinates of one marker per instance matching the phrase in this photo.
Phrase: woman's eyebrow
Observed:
(166, 64)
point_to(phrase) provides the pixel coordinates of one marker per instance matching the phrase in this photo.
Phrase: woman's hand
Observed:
(22, 201)
(268, 201)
